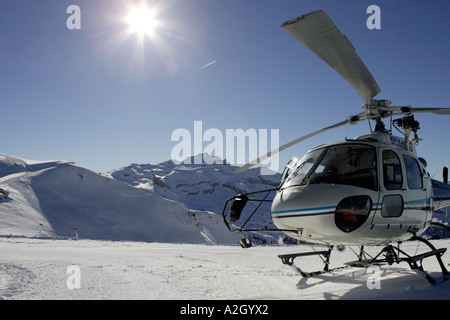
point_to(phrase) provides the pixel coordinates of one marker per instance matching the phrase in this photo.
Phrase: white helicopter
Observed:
(369, 191)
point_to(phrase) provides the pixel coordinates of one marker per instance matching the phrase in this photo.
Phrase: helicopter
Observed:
(373, 190)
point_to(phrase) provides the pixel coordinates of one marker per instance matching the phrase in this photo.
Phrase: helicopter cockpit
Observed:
(348, 164)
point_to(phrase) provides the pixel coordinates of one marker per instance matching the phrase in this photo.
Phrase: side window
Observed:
(413, 175)
(392, 170)
(392, 206)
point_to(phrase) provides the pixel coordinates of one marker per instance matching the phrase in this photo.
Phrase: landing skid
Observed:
(394, 255)
(289, 260)
(388, 254)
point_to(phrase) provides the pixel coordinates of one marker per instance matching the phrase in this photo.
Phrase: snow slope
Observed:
(40, 269)
(204, 185)
(53, 198)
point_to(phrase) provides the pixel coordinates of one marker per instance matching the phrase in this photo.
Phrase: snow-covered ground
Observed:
(33, 268)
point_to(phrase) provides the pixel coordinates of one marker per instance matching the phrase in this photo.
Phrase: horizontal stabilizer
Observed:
(441, 194)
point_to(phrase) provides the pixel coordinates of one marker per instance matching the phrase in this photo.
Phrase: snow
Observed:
(116, 270)
(155, 232)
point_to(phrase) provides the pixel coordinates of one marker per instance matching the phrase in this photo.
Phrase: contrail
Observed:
(207, 65)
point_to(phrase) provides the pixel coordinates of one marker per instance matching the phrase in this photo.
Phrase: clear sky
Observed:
(104, 97)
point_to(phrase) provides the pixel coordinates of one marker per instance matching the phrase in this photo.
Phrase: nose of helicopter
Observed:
(319, 211)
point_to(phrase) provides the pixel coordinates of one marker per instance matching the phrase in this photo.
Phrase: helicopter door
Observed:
(402, 193)
(392, 192)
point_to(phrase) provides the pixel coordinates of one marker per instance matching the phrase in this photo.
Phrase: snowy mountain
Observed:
(198, 186)
(53, 198)
(204, 185)
(155, 203)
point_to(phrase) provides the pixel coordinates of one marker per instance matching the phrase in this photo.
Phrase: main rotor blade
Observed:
(439, 111)
(353, 120)
(317, 32)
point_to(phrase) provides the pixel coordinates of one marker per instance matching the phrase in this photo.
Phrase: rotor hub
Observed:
(377, 109)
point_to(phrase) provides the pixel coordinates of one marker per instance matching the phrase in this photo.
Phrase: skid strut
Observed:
(392, 255)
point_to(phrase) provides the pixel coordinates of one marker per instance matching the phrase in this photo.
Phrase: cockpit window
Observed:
(392, 170)
(349, 164)
(290, 167)
(413, 174)
(305, 165)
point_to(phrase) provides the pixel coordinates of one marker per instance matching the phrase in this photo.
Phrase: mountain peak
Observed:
(204, 158)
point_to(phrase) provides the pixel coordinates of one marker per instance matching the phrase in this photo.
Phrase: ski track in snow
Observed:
(37, 269)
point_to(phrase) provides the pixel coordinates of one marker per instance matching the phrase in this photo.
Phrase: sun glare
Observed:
(141, 20)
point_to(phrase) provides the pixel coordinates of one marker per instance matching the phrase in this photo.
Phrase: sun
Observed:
(141, 20)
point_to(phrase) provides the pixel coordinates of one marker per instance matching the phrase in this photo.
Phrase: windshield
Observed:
(349, 164)
(306, 163)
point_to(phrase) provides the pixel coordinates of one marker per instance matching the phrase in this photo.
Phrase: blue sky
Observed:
(102, 98)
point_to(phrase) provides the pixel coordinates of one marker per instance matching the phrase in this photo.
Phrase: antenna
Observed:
(445, 174)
